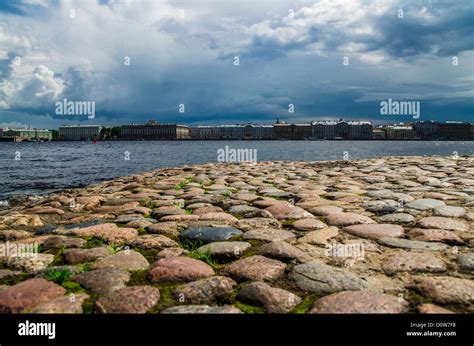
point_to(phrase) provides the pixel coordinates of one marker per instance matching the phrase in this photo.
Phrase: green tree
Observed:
(55, 135)
(115, 132)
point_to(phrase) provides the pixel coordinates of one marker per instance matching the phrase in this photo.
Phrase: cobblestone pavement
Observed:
(387, 235)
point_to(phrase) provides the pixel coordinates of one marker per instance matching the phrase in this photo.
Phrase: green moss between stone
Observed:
(206, 257)
(93, 242)
(73, 287)
(249, 309)
(190, 245)
(147, 202)
(255, 242)
(303, 307)
(166, 298)
(86, 267)
(253, 250)
(415, 299)
(15, 279)
(58, 276)
(58, 260)
(239, 216)
(142, 231)
(138, 277)
(88, 306)
(288, 223)
(148, 254)
(231, 299)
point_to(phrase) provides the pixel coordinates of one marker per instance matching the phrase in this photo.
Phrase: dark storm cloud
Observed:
(448, 33)
(441, 29)
(24, 8)
(6, 67)
(11, 7)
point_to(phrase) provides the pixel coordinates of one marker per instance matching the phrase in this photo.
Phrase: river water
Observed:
(38, 168)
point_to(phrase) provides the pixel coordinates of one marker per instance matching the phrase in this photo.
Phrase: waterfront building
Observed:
(378, 133)
(26, 134)
(426, 129)
(399, 132)
(324, 129)
(233, 132)
(454, 130)
(359, 130)
(154, 130)
(79, 132)
(332, 129)
(259, 132)
(292, 131)
(205, 132)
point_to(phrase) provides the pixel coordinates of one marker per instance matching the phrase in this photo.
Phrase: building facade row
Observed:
(352, 130)
(154, 130)
(26, 134)
(426, 130)
(316, 130)
(233, 132)
(79, 132)
(284, 131)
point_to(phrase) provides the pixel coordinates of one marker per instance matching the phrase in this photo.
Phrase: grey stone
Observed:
(268, 234)
(127, 259)
(449, 211)
(357, 302)
(413, 262)
(323, 279)
(273, 300)
(283, 251)
(447, 289)
(425, 204)
(412, 244)
(397, 218)
(103, 281)
(209, 234)
(225, 249)
(466, 261)
(205, 291)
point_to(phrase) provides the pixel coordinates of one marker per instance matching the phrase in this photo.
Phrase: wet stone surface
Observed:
(210, 234)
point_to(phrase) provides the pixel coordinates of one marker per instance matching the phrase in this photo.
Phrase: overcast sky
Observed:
(184, 52)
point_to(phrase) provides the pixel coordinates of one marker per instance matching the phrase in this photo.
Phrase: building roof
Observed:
(230, 126)
(356, 122)
(400, 127)
(80, 126)
(22, 129)
(335, 122)
(324, 122)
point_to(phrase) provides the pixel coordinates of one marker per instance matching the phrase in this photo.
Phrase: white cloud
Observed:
(38, 91)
